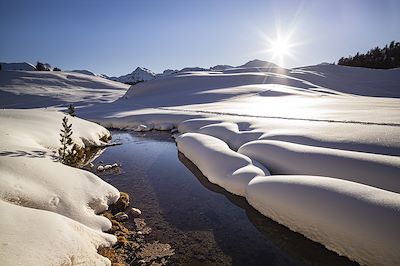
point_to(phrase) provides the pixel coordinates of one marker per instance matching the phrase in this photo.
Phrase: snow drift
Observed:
(221, 165)
(355, 220)
(60, 202)
(381, 171)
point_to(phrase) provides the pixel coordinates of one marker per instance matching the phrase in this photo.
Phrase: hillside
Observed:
(28, 89)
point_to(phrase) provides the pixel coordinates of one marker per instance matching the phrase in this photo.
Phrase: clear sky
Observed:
(113, 37)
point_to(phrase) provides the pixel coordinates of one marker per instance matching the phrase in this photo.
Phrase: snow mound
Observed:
(60, 202)
(221, 165)
(355, 220)
(381, 171)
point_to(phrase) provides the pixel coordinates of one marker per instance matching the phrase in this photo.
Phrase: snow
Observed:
(37, 237)
(222, 166)
(355, 220)
(83, 71)
(54, 204)
(31, 89)
(381, 171)
(258, 63)
(338, 122)
(327, 133)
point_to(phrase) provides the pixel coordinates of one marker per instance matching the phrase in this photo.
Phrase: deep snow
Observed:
(332, 130)
(337, 125)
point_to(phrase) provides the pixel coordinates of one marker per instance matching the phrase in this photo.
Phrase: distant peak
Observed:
(143, 69)
(259, 63)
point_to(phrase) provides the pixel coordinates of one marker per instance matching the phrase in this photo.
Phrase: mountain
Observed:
(138, 75)
(259, 63)
(143, 74)
(191, 69)
(220, 67)
(166, 73)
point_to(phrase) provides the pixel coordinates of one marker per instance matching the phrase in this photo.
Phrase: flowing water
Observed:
(205, 224)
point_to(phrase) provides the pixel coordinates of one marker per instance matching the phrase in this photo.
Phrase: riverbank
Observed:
(202, 222)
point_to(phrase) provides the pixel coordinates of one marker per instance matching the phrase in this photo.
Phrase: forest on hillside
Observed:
(383, 58)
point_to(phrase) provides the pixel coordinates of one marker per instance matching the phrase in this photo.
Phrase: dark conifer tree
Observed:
(68, 155)
(71, 110)
(387, 57)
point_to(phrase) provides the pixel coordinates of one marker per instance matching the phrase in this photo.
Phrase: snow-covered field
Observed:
(314, 148)
(34, 89)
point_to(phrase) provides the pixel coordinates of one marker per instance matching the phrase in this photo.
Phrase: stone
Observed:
(121, 205)
(121, 216)
(100, 168)
(136, 212)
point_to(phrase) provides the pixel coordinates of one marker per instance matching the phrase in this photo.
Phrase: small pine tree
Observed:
(67, 155)
(71, 110)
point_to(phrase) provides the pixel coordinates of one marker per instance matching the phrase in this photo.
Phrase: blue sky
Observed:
(113, 37)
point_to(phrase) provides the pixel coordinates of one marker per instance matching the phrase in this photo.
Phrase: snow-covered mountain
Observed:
(258, 63)
(138, 75)
(144, 74)
(220, 67)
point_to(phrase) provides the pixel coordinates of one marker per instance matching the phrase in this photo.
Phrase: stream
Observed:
(203, 223)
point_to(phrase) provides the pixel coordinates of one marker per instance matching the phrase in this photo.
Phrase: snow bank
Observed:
(381, 171)
(229, 132)
(37, 237)
(38, 128)
(355, 220)
(220, 164)
(60, 202)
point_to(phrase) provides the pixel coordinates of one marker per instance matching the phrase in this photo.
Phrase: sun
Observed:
(280, 48)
